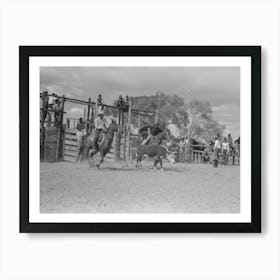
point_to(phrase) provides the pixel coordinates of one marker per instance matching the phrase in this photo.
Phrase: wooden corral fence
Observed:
(123, 148)
(192, 154)
(59, 142)
(125, 142)
(52, 135)
(70, 148)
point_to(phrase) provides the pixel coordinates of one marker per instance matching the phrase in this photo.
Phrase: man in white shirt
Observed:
(225, 150)
(52, 99)
(52, 102)
(101, 125)
(173, 129)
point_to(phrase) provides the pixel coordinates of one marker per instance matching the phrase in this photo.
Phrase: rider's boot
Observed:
(94, 149)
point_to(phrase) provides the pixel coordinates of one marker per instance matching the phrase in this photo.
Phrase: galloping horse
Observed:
(164, 135)
(103, 147)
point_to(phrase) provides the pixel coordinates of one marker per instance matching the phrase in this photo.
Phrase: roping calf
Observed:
(157, 152)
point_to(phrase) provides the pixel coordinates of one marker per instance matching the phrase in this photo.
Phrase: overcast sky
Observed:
(218, 85)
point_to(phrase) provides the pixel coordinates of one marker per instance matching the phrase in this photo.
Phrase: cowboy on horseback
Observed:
(100, 127)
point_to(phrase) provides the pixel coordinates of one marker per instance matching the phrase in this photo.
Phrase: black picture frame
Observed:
(25, 52)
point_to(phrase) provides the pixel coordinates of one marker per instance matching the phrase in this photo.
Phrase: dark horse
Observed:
(164, 135)
(103, 146)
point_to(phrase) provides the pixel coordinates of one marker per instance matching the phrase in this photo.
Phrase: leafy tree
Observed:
(194, 118)
(211, 128)
(169, 107)
(202, 126)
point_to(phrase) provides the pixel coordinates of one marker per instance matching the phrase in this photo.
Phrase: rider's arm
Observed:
(215, 145)
(106, 124)
(96, 124)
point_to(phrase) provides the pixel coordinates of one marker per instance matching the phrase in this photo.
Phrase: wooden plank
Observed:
(70, 137)
(70, 142)
(70, 148)
(73, 138)
(70, 131)
(69, 158)
(70, 153)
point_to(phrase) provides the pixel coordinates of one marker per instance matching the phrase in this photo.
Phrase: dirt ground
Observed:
(120, 188)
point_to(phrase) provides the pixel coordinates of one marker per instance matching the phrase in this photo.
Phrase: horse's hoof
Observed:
(161, 169)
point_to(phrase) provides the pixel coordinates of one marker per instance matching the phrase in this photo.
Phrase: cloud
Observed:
(75, 112)
(218, 85)
(229, 115)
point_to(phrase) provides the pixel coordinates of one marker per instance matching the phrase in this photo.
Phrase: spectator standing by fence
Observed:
(51, 104)
(230, 140)
(217, 149)
(81, 132)
(182, 150)
(225, 150)
(237, 147)
(57, 111)
(44, 106)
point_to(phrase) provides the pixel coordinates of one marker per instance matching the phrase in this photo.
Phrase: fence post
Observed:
(124, 145)
(128, 131)
(117, 146)
(60, 130)
(42, 137)
(88, 113)
(156, 117)
(138, 122)
(85, 112)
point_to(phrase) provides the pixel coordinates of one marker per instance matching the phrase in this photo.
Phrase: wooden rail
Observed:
(124, 144)
(193, 155)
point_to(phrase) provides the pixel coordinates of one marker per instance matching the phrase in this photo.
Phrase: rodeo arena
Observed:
(102, 163)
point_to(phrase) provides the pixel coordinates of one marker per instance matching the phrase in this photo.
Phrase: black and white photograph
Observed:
(140, 140)
(143, 138)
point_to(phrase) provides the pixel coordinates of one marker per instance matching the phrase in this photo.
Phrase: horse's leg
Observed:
(90, 159)
(137, 161)
(160, 162)
(93, 153)
(84, 153)
(101, 159)
(155, 163)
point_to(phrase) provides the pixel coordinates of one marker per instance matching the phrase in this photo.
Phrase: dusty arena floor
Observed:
(120, 188)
